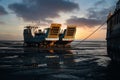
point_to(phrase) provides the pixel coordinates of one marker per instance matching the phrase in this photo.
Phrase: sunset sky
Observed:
(87, 15)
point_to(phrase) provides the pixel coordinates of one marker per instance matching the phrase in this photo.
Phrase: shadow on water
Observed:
(36, 64)
(33, 63)
(113, 71)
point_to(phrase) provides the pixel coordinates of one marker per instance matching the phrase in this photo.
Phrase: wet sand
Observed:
(88, 61)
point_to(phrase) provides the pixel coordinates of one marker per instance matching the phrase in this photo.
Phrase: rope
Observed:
(90, 34)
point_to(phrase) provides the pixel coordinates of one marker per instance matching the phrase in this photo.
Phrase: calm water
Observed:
(88, 61)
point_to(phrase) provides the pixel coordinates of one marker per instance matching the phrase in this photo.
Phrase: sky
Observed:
(87, 15)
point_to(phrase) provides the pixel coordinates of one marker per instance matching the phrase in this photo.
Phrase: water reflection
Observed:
(36, 64)
(53, 61)
(113, 71)
(69, 60)
(34, 58)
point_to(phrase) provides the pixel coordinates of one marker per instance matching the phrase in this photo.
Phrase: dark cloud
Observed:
(100, 2)
(100, 15)
(83, 22)
(33, 10)
(94, 18)
(3, 11)
(2, 23)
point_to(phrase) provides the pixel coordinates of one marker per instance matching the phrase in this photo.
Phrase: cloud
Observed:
(9, 36)
(83, 22)
(94, 16)
(2, 23)
(34, 10)
(2, 11)
(100, 2)
(101, 14)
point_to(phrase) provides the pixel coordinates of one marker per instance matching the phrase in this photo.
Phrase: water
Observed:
(88, 61)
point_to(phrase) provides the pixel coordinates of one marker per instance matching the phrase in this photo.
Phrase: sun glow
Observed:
(82, 33)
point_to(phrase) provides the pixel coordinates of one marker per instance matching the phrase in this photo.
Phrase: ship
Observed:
(52, 36)
(113, 34)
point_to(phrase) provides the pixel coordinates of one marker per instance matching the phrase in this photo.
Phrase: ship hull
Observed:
(113, 35)
(63, 42)
(113, 49)
(113, 45)
(50, 37)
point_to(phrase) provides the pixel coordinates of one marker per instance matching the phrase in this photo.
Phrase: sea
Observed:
(86, 60)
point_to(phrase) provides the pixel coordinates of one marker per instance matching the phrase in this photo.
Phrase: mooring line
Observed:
(90, 34)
